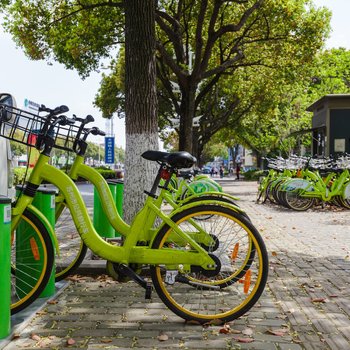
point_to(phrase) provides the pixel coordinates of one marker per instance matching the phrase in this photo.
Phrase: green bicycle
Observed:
(32, 237)
(182, 271)
(71, 247)
(301, 194)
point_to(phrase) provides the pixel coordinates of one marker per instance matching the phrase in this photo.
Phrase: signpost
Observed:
(109, 150)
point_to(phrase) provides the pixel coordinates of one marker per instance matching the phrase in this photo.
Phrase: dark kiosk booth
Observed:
(331, 125)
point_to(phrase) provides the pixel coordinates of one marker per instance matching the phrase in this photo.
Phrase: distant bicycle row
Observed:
(299, 183)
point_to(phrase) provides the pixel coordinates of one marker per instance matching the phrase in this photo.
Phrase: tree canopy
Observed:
(227, 62)
(208, 51)
(83, 35)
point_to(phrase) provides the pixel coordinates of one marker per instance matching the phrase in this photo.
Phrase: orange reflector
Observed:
(235, 252)
(247, 281)
(35, 249)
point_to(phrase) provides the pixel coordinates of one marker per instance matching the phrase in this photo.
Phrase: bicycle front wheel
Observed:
(72, 250)
(235, 288)
(32, 258)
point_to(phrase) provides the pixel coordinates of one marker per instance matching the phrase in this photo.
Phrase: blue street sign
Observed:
(109, 150)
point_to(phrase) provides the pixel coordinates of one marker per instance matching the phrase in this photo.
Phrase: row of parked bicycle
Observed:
(299, 183)
(204, 257)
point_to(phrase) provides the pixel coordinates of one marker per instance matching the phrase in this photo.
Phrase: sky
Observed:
(54, 85)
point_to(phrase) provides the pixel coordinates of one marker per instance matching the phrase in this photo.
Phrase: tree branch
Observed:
(207, 88)
(240, 24)
(173, 35)
(167, 85)
(83, 7)
(199, 38)
(223, 66)
(181, 74)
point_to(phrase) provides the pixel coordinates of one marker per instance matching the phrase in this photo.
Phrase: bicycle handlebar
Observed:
(56, 111)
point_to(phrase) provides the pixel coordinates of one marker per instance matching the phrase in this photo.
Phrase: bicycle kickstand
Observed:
(128, 271)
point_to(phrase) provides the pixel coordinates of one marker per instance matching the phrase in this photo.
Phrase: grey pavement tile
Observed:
(304, 264)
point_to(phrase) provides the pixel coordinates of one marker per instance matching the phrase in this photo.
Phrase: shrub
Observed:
(253, 174)
(19, 174)
(107, 173)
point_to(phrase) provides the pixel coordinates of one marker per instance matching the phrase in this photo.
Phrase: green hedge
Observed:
(253, 174)
(107, 173)
(18, 175)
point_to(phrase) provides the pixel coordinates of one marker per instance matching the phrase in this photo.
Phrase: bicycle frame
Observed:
(137, 231)
(200, 181)
(79, 169)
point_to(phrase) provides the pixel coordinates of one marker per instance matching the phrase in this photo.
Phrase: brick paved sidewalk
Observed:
(306, 304)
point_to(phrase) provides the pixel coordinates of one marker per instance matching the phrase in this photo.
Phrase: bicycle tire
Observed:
(219, 198)
(32, 259)
(184, 296)
(72, 250)
(295, 201)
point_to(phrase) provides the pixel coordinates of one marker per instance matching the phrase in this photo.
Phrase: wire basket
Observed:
(24, 127)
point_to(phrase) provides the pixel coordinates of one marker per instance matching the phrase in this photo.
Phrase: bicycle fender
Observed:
(48, 226)
(206, 202)
(211, 193)
(298, 184)
(346, 191)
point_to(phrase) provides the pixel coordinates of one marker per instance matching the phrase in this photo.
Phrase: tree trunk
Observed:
(186, 119)
(140, 102)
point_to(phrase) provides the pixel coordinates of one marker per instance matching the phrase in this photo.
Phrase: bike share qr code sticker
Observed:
(53, 202)
(7, 214)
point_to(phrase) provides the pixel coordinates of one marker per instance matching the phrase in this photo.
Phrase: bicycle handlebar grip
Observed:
(56, 111)
(96, 131)
(89, 119)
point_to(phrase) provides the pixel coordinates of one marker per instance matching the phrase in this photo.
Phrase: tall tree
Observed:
(80, 34)
(140, 98)
(208, 50)
(200, 43)
(278, 123)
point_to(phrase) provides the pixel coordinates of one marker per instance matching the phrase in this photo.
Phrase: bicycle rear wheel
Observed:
(72, 250)
(295, 201)
(238, 284)
(32, 258)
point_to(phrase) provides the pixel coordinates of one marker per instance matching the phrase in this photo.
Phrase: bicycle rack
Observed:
(44, 200)
(5, 263)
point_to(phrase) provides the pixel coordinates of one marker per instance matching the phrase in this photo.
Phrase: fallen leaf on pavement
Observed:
(243, 339)
(192, 322)
(106, 340)
(226, 329)
(214, 322)
(318, 300)
(278, 332)
(35, 337)
(70, 341)
(163, 337)
(296, 341)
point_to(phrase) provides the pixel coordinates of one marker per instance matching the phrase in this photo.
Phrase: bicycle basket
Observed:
(25, 127)
(19, 125)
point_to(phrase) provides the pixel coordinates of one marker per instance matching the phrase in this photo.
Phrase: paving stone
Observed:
(304, 264)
